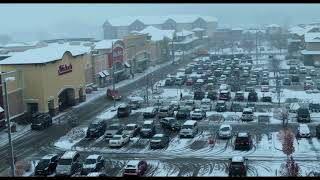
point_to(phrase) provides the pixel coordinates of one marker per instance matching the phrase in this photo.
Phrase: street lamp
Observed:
(8, 79)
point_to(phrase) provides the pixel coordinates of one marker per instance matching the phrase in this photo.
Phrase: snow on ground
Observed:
(71, 138)
(302, 95)
(109, 113)
(21, 131)
(31, 172)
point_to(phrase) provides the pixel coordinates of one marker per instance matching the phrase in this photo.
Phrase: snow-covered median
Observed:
(74, 136)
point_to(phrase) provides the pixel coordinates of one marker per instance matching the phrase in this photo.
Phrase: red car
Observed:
(113, 94)
(308, 86)
(189, 82)
(135, 168)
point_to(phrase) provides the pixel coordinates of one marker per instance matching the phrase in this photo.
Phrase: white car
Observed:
(225, 131)
(131, 130)
(198, 114)
(119, 140)
(303, 131)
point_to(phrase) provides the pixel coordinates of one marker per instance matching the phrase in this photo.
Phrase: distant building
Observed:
(311, 53)
(273, 29)
(116, 28)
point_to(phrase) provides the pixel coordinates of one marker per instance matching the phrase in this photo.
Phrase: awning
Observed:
(106, 73)
(1, 109)
(101, 74)
(127, 65)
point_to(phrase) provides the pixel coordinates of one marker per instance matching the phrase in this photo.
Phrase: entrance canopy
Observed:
(101, 74)
(127, 65)
(106, 72)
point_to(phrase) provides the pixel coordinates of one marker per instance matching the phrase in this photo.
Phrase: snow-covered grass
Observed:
(71, 138)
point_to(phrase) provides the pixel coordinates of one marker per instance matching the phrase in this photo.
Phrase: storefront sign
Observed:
(64, 68)
(117, 55)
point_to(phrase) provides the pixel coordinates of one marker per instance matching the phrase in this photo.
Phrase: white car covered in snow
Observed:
(198, 114)
(225, 131)
(206, 104)
(303, 131)
(119, 140)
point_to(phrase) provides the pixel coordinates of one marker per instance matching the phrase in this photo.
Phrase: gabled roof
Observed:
(105, 44)
(148, 20)
(157, 34)
(273, 26)
(184, 33)
(52, 52)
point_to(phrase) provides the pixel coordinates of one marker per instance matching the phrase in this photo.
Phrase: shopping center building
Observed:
(53, 77)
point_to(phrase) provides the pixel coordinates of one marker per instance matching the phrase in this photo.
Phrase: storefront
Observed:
(116, 59)
(141, 62)
(53, 77)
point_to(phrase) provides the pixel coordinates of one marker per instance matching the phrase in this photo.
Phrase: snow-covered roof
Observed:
(247, 110)
(184, 33)
(135, 98)
(52, 52)
(237, 159)
(304, 128)
(158, 135)
(11, 45)
(105, 44)
(148, 122)
(131, 125)
(225, 125)
(237, 29)
(190, 122)
(197, 29)
(300, 31)
(133, 163)
(312, 37)
(273, 26)
(242, 134)
(93, 156)
(68, 154)
(48, 156)
(306, 52)
(148, 20)
(157, 34)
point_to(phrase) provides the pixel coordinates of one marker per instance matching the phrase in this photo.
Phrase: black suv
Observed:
(159, 141)
(183, 113)
(253, 96)
(47, 165)
(124, 110)
(243, 141)
(221, 106)
(212, 95)
(41, 121)
(96, 129)
(198, 95)
(303, 115)
(238, 166)
(170, 123)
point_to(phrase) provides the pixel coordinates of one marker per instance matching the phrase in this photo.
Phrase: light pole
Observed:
(8, 122)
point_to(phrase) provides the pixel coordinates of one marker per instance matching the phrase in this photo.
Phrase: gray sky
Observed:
(27, 22)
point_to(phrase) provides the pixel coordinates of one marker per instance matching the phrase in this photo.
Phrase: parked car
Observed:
(295, 79)
(69, 164)
(318, 131)
(159, 141)
(47, 165)
(124, 110)
(119, 140)
(287, 81)
(302, 70)
(150, 112)
(238, 166)
(189, 129)
(198, 114)
(225, 95)
(206, 104)
(265, 88)
(93, 163)
(190, 105)
(243, 141)
(179, 82)
(253, 96)
(225, 131)
(135, 168)
(113, 129)
(314, 107)
(239, 96)
(131, 130)
(168, 82)
(313, 72)
(183, 113)
(303, 115)
(221, 106)
(212, 95)
(148, 129)
(135, 102)
(174, 105)
(96, 129)
(247, 114)
(165, 111)
(170, 123)
(303, 131)
(189, 82)
(198, 95)
(266, 97)
(41, 121)
(248, 89)
(236, 107)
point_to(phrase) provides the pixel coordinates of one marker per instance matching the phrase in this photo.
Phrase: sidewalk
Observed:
(24, 129)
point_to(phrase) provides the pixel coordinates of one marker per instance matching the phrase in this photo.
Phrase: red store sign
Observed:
(64, 68)
(117, 56)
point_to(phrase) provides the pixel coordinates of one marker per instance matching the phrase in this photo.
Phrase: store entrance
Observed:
(66, 99)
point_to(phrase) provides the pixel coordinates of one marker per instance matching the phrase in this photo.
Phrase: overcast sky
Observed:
(34, 21)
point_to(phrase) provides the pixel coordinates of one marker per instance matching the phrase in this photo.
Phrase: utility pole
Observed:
(256, 46)
(9, 126)
(113, 80)
(147, 89)
(183, 48)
